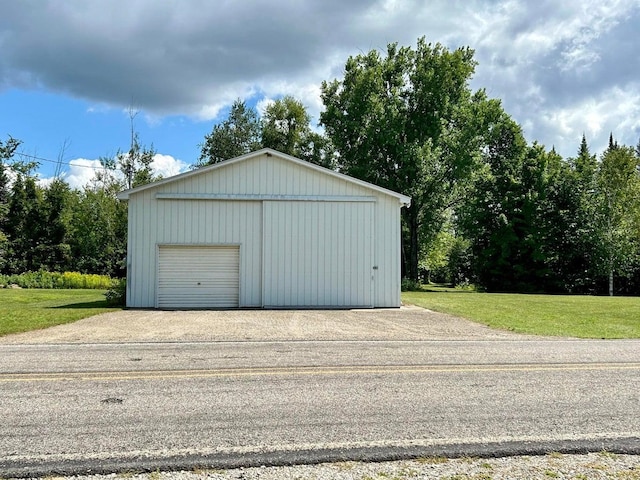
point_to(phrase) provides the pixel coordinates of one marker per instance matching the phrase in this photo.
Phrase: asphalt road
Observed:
(109, 407)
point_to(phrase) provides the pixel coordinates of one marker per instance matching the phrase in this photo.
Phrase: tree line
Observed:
(60, 229)
(487, 208)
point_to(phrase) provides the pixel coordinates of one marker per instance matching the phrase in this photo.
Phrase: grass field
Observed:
(557, 315)
(32, 309)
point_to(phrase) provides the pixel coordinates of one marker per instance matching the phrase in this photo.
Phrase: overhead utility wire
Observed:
(35, 157)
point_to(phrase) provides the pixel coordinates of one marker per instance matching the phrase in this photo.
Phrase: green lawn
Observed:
(558, 315)
(32, 309)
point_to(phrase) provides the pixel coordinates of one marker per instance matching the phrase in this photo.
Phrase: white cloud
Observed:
(81, 172)
(616, 110)
(167, 166)
(263, 104)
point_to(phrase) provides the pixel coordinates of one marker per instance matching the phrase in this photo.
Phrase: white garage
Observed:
(264, 230)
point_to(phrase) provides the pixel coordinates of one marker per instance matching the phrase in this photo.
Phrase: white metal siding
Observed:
(318, 254)
(155, 222)
(161, 222)
(198, 276)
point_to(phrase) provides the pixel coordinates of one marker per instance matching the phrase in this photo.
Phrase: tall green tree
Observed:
(13, 227)
(510, 216)
(285, 125)
(135, 165)
(34, 229)
(56, 251)
(24, 225)
(98, 231)
(238, 134)
(574, 233)
(618, 211)
(7, 150)
(408, 121)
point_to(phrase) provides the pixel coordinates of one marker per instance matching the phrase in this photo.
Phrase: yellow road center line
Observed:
(301, 371)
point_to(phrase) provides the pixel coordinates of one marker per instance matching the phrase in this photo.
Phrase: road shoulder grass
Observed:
(552, 315)
(22, 310)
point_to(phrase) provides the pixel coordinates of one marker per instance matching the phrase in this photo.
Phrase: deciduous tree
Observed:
(235, 136)
(618, 211)
(408, 121)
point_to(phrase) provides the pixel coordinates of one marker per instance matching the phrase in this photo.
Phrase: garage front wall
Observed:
(257, 204)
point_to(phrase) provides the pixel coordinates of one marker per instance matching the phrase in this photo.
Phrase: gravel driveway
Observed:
(406, 323)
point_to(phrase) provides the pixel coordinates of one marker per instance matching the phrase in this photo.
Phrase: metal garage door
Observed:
(318, 254)
(198, 276)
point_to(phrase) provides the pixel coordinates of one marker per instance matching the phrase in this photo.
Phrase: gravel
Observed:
(406, 323)
(594, 466)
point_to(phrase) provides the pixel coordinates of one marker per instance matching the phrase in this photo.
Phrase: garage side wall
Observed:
(154, 222)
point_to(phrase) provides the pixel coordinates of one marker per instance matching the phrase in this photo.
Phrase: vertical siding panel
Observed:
(238, 174)
(146, 243)
(268, 254)
(267, 180)
(140, 262)
(138, 252)
(307, 226)
(294, 249)
(331, 243)
(312, 265)
(182, 224)
(290, 273)
(245, 281)
(249, 178)
(354, 258)
(175, 221)
(198, 221)
(132, 253)
(341, 239)
(133, 294)
(147, 266)
(279, 264)
(382, 238)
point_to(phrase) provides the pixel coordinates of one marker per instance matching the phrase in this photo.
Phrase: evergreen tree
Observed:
(56, 249)
(14, 227)
(508, 217)
(574, 199)
(33, 229)
(7, 150)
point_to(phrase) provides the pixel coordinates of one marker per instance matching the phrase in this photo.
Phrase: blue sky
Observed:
(69, 71)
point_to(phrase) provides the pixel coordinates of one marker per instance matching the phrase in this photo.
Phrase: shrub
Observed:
(117, 295)
(408, 285)
(44, 279)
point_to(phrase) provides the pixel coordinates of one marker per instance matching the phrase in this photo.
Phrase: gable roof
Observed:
(403, 199)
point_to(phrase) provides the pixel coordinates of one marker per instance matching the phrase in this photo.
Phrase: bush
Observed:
(408, 285)
(117, 295)
(70, 280)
